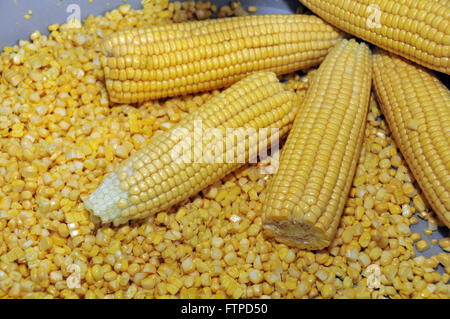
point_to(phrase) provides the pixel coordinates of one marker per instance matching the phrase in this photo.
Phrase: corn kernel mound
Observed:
(60, 136)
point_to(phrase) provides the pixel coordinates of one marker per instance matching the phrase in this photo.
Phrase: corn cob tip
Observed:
(103, 202)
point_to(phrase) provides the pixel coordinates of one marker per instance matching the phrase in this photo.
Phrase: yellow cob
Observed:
(153, 179)
(418, 30)
(417, 109)
(306, 197)
(178, 59)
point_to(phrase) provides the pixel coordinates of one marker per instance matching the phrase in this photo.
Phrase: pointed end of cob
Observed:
(103, 202)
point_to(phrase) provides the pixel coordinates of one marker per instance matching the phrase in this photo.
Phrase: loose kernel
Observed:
(255, 276)
(415, 237)
(148, 283)
(375, 253)
(427, 232)
(110, 275)
(97, 272)
(422, 245)
(444, 243)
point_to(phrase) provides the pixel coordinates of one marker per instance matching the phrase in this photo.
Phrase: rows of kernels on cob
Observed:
(416, 107)
(191, 57)
(199, 151)
(416, 30)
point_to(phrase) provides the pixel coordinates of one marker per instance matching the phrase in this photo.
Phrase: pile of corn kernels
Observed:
(60, 136)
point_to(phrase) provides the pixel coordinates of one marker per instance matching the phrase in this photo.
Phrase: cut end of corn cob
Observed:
(185, 58)
(103, 202)
(416, 30)
(306, 197)
(416, 106)
(153, 180)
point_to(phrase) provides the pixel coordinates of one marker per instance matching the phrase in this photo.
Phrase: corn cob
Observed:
(152, 179)
(417, 109)
(306, 197)
(418, 30)
(191, 57)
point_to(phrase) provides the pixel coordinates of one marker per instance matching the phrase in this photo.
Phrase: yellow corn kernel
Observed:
(97, 272)
(427, 232)
(445, 243)
(422, 245)
(110, 276)
(327, 291)
(415, 237)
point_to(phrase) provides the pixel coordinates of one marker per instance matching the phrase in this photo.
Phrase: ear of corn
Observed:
(191, 57)
(417, 30)
(306, 197)
(153, 179)
(417, 108)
